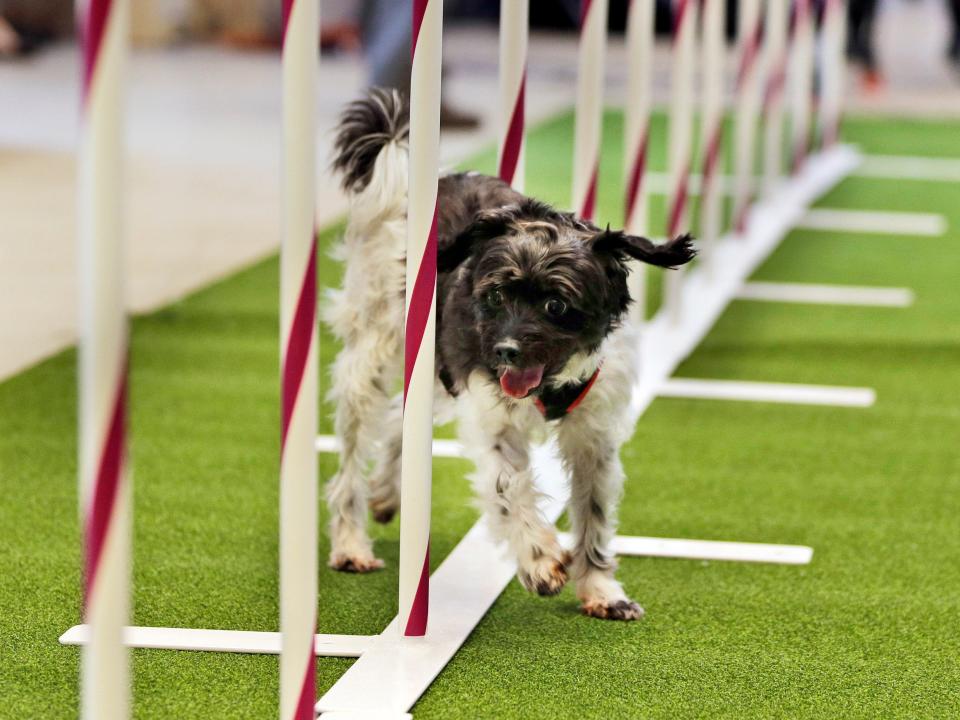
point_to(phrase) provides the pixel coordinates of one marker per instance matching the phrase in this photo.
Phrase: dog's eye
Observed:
(494, 298)
(555, 307)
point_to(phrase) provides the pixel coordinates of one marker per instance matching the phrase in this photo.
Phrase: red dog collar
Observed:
(554, 403)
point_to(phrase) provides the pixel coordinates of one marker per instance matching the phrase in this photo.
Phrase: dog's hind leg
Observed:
(596, 476)
(385, 478)
(360, 375)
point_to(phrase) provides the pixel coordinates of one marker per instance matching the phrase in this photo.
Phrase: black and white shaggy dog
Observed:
(530, 341)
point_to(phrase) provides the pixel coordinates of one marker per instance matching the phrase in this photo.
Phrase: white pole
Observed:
(832, 70)
(640, 29)
(680, 138)
(105, 497)
(588, 121)
(713, 76)
(421, 312)
(298, 353)
(801, 78)
(775, 60)
(514, 21)
(748, 100)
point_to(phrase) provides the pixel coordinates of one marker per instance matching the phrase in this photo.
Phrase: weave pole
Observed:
(775, 60)
(105, 497)
(514, 23)
(749, 34)
(588, 120)
(298, 356)
(680, 138)
(421, 313)
(711, 128)
(832, 69)
(801, 79)
(640, 29)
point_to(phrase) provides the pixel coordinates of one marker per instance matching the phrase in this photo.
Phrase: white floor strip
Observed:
(396, 671)
(907, 167)
(375, 715)
(441, 447)
(712, 550)
(826, 294)
(870, 221)
(236, 641)
(789, 393)
(658, 183)
(678, 549)
(886, 167)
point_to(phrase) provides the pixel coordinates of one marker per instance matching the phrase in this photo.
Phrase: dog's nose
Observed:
(506, 352)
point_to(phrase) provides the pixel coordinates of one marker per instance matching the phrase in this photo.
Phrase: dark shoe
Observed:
(953, 52)
(453, 119)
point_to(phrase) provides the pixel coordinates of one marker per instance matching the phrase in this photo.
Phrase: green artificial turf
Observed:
(870, 629)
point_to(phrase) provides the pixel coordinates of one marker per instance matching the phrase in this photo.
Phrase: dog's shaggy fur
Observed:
(531, 303)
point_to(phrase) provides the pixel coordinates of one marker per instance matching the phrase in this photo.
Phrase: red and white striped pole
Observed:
(514, 23)
(421, 313)
(711, 128)
(298, 357)
(775, 61)
(105, 494)
(832, 69)
(640, 29)
(588, 121)
(749, 37)
(680, 137)
(801, 79)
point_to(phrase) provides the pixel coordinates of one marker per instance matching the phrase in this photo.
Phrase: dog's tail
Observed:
(371, 149)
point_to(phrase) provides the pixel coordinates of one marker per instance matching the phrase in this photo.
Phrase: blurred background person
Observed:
(860, 47)
(953, 54)
(26, 24)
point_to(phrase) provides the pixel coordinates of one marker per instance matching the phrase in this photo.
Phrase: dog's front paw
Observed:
(546, 575)
(623, 609)
(601, 596)
(354, 563)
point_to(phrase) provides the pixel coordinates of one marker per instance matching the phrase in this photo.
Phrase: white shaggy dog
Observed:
(529, 342)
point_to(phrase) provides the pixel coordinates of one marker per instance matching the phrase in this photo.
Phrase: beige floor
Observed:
(203, 146)
(182, 221)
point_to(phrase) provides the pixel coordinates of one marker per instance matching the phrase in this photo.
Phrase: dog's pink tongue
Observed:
(518, 383)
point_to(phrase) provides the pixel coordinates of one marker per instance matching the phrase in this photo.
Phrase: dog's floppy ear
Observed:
(670, 254)
(488, 224)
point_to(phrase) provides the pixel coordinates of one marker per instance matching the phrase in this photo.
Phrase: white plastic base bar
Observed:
(884, 167)
(396, 671)
(789, 393)
(236, 641)
(907, 167)
(359, 715)
(826, 294)
(659, 183)
(441, 447)
(712, 550)
(870, 221)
